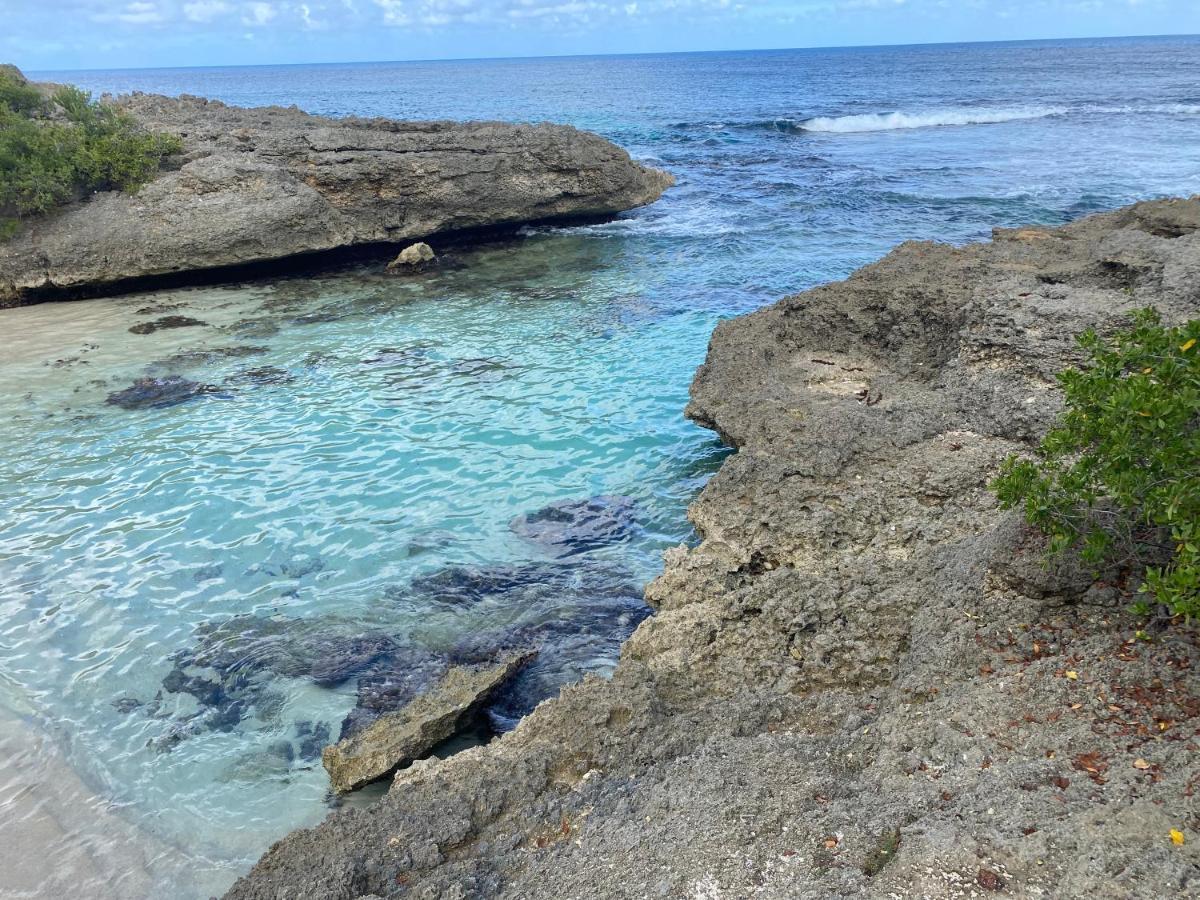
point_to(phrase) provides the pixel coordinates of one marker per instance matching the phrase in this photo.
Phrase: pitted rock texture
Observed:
(257, 185)
(862, 682)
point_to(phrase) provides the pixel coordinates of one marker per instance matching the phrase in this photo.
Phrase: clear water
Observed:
(395, 427)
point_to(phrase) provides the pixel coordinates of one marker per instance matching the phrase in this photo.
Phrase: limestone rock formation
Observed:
(852, 686)
(260, 185)
(398, 738)
(412, 259)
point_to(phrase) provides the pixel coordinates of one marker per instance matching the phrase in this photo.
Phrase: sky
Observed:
(41, 35)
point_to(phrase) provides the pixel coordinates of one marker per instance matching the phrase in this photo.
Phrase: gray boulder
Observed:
(414, 258)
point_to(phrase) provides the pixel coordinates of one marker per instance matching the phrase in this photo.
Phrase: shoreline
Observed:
(61, 838)
(837, 694)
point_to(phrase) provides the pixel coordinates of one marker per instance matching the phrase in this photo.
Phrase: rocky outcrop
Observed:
(412, 259)
(255, 186)
(399, 738)
(859, 683)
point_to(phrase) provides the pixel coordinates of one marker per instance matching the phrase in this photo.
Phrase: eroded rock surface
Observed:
(398, 738)
(256, 185)
(854, 686)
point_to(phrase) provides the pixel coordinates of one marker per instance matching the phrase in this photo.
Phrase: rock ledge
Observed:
(261, 186)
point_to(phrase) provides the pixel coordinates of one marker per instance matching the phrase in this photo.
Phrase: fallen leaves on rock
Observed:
(989, 880)
(1092, 763)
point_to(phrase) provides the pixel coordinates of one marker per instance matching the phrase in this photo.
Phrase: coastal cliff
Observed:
(862, 681)
(256, 187)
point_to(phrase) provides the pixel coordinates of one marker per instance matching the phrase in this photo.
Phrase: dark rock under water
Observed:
(164, 323)
(576, 526)
(156, 393)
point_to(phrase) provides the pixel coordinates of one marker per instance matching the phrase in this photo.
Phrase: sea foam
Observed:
(902, 120)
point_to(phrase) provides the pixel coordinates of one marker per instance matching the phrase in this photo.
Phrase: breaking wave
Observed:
(934, 118)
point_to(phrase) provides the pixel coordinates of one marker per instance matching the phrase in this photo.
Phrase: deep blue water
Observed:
(392, 429)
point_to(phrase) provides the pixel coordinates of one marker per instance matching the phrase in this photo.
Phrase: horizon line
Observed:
(463, 59)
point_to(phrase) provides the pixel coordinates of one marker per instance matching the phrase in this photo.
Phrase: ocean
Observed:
(374, 439)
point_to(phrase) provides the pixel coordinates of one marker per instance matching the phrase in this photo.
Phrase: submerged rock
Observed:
(413, 259)
(311, 739)
(164, 323)
(399, 738)
(279, 183)
(206, 356)
(155, 393)
(230, 669)
(262, 376)
(530, 586)
(575, 526)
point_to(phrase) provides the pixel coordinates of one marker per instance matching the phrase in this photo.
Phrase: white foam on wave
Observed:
(934, 118)
(1167, 109)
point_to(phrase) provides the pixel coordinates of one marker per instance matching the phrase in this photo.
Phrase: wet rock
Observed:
(164, 323)
(311, 739)
(576, 526)
(157, 393)
(399, 738)
(413, 259)
(339, 658)
(126, 705)
(530, 586)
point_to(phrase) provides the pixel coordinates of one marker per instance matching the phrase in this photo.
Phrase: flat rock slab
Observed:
(256, 186)
(397, 739)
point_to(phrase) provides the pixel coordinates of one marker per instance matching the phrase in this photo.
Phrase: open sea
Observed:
(346, 498)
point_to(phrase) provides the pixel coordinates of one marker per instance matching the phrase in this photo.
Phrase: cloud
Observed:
(137, 13)
(205, 10)
(258, 13)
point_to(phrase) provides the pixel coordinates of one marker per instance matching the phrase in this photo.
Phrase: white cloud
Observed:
(258, 13)
(137, 13)
(205, 10)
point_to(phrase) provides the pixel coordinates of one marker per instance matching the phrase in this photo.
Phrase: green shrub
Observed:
(55, 151)
(1119, 476)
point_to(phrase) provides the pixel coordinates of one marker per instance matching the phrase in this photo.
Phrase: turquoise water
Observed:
(396, 435)
(352, 474)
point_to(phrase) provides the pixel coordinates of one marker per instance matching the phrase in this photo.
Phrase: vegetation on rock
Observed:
(55, 148)
(1119, 476)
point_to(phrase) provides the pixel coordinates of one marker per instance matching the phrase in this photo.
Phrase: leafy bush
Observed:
(1119, 475)
(56, 150)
